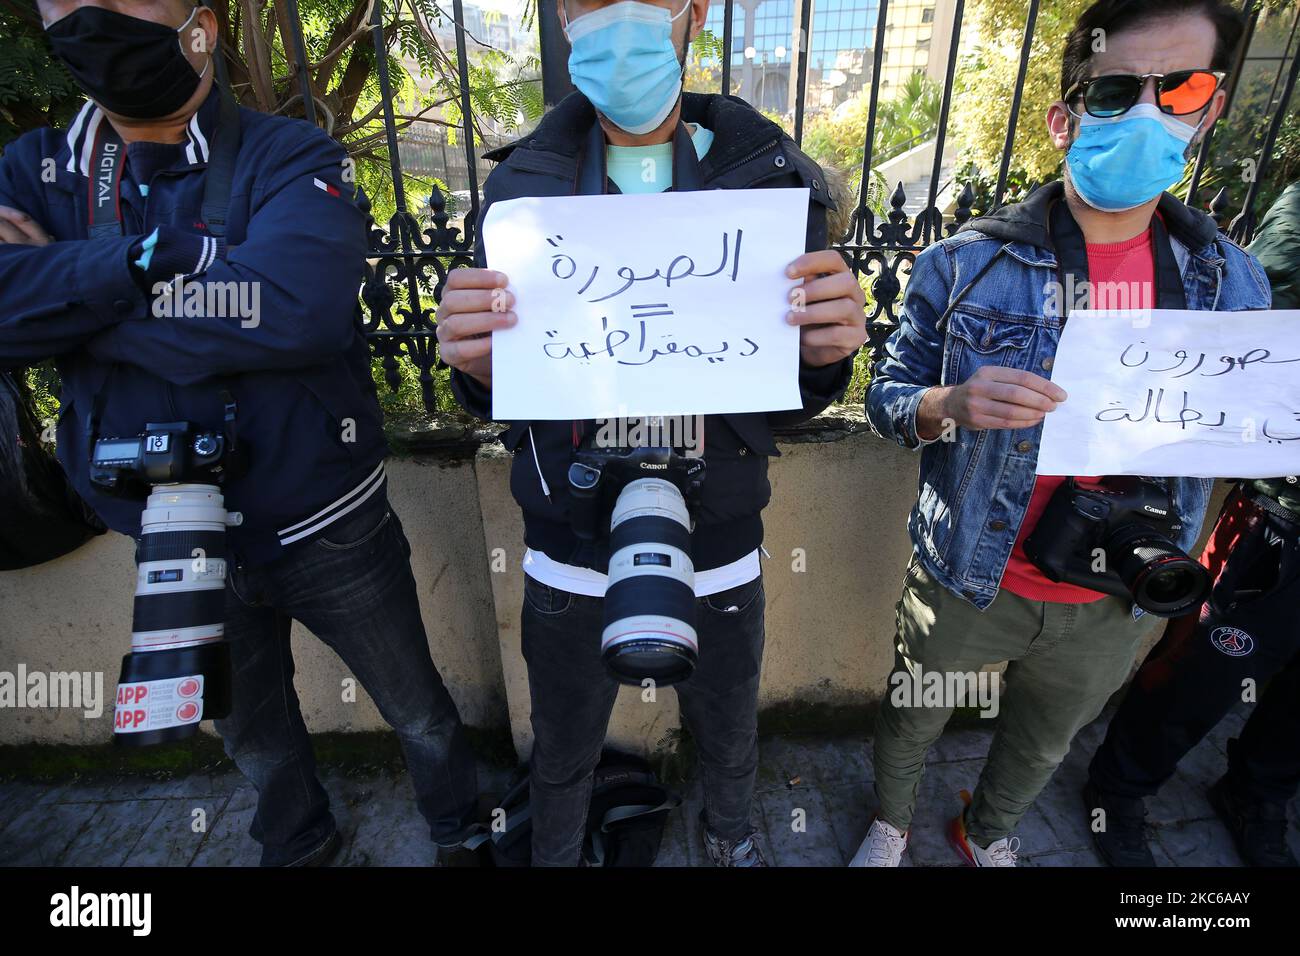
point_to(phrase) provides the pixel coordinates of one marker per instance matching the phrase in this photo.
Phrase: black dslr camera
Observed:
(647, 496)
(178, 672)
(598, 475)
(166, 453)
(1117, 539)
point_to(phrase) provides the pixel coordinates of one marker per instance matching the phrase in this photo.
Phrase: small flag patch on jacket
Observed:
(321, 184)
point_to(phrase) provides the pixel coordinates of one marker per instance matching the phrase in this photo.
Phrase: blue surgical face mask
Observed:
(623, 60)
(1120, 163)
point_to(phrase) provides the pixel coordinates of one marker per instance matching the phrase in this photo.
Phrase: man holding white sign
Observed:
(629, 129)
(1051, 574)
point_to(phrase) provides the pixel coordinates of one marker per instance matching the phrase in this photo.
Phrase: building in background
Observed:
(425, 148)
(494, 28)
(765, 34)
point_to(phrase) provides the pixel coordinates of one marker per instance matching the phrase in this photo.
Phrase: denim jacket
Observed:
(992, 279)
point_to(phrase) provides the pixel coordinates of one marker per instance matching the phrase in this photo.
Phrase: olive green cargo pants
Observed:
(1065, 661)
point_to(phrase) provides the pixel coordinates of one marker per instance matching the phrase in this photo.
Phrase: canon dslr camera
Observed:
(178, 671)
(1117, 539)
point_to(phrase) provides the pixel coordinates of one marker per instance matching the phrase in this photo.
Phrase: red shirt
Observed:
(1123, 276)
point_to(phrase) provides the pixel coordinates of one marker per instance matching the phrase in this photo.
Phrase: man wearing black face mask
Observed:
(183, 259)
(134, 68)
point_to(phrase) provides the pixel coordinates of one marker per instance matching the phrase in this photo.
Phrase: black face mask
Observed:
(129, 66)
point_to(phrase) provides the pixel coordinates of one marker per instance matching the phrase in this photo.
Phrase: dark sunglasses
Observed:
(1177, 94)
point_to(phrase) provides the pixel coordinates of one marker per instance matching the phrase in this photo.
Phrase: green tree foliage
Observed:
(986, 83)
(35, 90)
(904, 120)
(1239, 137)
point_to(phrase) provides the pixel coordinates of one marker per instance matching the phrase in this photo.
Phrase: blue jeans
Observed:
(573, 695)
(353, 588)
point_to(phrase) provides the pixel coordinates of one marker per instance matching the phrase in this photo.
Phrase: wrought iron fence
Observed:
(410, 259)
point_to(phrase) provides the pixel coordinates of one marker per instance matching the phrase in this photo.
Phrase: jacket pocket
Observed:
(351, 414)
(975, 342)
(514, 434)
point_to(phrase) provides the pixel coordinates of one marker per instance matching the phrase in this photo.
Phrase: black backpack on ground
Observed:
(41, 516)
(625, 822)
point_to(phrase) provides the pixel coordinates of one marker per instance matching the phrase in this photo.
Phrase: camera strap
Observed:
(97, 402)
(1072, 262)
(1273, 507)
(104, 206)
(104, 215)
(236, 463)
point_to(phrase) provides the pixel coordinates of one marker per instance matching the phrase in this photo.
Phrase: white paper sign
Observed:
(656, 304)
(1176, 394)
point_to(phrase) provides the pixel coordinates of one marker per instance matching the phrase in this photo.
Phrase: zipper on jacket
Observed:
(741, 162)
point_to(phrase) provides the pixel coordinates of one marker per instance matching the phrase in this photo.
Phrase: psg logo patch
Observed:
(1232, 641)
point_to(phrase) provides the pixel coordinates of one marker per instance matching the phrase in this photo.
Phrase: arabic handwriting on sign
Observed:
(565, 267)
(694, 351)
(1279, 439)
(1230, 363)
(1155, 411)
(642, 354)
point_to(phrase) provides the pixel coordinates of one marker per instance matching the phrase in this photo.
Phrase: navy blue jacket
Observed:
(299, 371)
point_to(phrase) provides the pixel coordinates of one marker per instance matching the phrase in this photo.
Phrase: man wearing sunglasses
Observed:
(966, 378)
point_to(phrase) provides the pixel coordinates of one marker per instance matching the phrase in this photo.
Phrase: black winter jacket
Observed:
(748, 151)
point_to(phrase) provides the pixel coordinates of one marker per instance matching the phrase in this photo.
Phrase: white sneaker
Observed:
(883, 846)
(998, 853)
